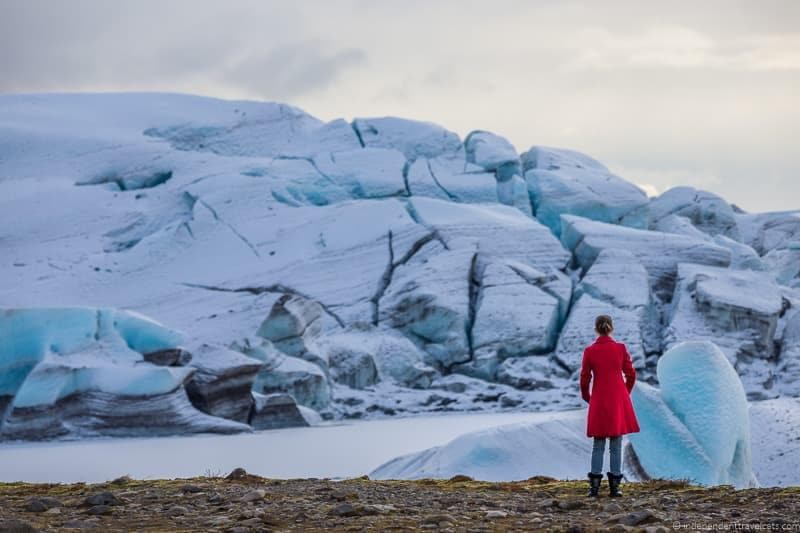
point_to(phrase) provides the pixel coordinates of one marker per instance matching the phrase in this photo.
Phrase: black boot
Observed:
(594, 484)
(613, 485)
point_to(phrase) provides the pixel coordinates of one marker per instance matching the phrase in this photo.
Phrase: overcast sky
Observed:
(664, 93)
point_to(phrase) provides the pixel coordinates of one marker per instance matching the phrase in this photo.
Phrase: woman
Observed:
(611, 412)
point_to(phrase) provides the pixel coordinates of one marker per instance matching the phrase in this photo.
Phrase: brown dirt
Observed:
(458, 504)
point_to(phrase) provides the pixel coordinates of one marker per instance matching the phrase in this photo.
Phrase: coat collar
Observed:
(603, 339)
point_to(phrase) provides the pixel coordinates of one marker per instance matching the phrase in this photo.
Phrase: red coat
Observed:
(610, 409)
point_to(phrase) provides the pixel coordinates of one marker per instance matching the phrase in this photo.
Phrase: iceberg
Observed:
(696, 426)
(73, 372)
(555, 446)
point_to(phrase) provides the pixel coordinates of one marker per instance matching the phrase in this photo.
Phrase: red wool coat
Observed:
(610, 409)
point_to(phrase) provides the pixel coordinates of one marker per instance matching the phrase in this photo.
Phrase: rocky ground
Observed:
(243, 502)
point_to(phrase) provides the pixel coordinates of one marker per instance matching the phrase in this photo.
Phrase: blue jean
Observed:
(615, 451)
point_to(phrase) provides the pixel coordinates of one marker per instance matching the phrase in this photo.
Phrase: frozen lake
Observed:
(344, 449)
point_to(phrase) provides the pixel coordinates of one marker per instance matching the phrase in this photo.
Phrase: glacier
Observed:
(254, 260)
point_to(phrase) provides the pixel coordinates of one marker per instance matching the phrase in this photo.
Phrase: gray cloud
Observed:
(699, 93)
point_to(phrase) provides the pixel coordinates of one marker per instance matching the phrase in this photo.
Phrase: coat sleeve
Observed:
(628, 370)
(586, 376)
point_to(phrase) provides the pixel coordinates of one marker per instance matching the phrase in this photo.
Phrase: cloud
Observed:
(676, 47)
(699, 93)
(292, 70)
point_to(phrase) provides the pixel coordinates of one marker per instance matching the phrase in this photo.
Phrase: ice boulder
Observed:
(222, 381)
(631, 298)
(736, 309)
(769, 231)
(611, 266)
(554, 445)
(277, 410)
(453, 178)
(705, 210)
(413, 138)
(494, 230)
(492, 153)
(537, 372)
(518, 311)
(428, 299)
(363, 357)
(364, 172)
(697, 425)
(658, 252)
(566, 182)
(306, 382)
(784, 264)
(743, 257)
(293, 325)
(680, 225)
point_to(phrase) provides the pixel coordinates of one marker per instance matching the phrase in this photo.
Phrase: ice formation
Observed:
(566, 182)
(367, 268)
(696, 425)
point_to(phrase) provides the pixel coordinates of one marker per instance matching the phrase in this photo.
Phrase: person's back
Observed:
(611, 413)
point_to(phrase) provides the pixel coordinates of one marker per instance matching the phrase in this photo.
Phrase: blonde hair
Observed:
(603, 325)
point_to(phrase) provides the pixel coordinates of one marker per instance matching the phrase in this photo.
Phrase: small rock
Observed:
(613, 508)
(644, 516)
(384, 507)
(254, 495)
(12, 525)
(496, 513)
(122, 480)
(344, 509)
(99, 510)
(193, 489)
(569, 505)
(237, 473)
(460, 477)
(438, 519)
(35, 505)
(636, 518)
(102, 498)
(177, 510)
(215, 498)
(53, 510)
(219, 521)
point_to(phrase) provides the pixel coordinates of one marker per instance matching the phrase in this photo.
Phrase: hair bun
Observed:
(603, 324)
